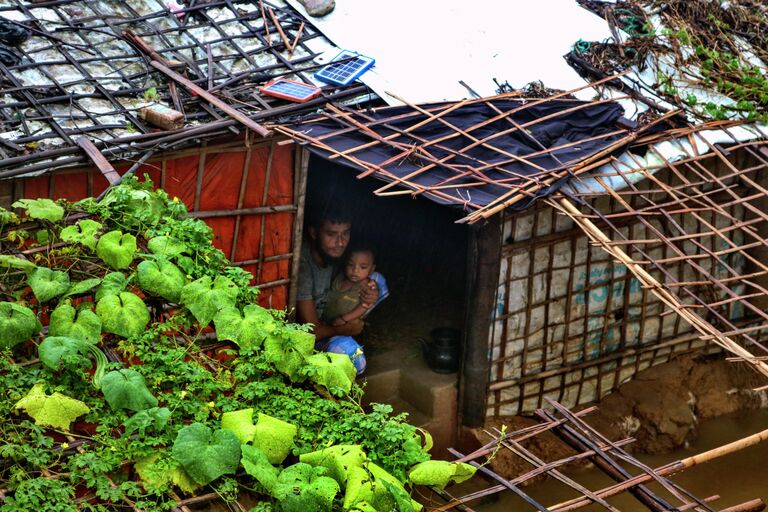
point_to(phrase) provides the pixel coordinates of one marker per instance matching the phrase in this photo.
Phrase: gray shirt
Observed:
(314, 280)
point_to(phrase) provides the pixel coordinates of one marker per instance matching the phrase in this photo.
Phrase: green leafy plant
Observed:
(55, 350)
(84, 232)
(124, 314)
(56, 410)
(274, 437)
(206, 454)
(162, 278)
(116, 249)
(47, 284)
(17, 324)
(154, 418)
(440, 473)
(248, 329)
(205, 297)
(126, 389)
(44, 209)
(167, 246)
(301, 487)
(112, 284)
(80, 323)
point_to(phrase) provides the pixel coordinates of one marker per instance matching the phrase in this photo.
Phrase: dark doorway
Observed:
(420, 250)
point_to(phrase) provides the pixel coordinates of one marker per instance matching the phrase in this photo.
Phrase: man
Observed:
(328, 238)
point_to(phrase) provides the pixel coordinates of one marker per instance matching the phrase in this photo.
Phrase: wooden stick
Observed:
(99, 160)
(266, 25)
(210, 98)
(296, 39)
(286, 41)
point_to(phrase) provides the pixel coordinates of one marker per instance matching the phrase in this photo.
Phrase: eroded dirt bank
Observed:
(661, 408)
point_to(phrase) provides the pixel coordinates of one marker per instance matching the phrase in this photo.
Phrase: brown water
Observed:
(738, 477)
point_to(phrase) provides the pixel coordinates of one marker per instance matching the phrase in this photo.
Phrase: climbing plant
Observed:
(137, 368)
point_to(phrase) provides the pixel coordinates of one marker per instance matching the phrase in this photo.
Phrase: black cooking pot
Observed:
(442, 353)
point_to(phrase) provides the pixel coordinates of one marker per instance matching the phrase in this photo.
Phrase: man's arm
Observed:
(307, 314)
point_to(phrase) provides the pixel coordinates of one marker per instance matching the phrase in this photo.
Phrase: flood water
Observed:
(738, 477)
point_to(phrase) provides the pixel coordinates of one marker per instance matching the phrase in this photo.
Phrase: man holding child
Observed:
(320, 280)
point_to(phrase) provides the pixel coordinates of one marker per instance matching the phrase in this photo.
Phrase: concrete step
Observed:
(415, 416)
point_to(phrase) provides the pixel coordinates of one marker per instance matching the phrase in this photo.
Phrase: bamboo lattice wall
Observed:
(571, 323)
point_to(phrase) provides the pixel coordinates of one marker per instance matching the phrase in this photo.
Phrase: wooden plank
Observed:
(213, 100)
(99, 160)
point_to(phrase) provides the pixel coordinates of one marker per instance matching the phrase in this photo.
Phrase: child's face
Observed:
(359, 266)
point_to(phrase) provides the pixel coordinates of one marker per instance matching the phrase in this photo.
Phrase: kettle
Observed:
(442, 352)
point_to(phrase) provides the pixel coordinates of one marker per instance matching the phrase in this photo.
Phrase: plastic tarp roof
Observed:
(471, 155)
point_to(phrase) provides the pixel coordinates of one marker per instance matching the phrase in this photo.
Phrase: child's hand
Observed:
(338, 321)
(369, 293)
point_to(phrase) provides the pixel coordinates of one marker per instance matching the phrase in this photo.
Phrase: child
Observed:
(343, 304)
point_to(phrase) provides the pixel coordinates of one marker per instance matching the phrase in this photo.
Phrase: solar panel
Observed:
(290, 90)
(345, 68)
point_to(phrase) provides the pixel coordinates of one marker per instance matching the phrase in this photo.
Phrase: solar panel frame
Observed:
(344, 73)
(290, 90)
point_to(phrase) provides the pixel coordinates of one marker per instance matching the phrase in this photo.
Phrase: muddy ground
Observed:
(661, 408)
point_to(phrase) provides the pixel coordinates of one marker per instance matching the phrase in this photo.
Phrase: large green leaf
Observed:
(162, 278)
(56, 410)
(84, 286)
(137, 206)
(125, 314)
(248, 330)
(17, 324)
(125, 389)
(47, 284)
(334, 371)
(41, 209)
(80, 323)
(54, 349)
(257, 465)
(205, 454)
(157, 471)
(337, 460)
(16, 262)
(167, 246)
(287, 351)
(274, 437)
(155, 419)
(301, 488)
(240, 423)
(205, 298)
(112, 284)
(84, 233)
(440, 473)
(116, 249)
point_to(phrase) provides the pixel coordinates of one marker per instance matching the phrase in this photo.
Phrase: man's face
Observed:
(332, 238)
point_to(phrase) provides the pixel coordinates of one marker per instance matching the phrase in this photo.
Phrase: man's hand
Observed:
(352, 328)
(369, 293)
(338, 322)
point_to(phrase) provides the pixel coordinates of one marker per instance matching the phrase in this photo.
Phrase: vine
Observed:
(179, 410)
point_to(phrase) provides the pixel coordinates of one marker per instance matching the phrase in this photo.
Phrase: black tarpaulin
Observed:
(472, 154)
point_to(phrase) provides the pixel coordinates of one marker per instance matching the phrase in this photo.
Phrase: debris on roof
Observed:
(89, 69)
(707, 58)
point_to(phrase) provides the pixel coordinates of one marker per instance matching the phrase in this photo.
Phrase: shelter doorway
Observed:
(422, 253)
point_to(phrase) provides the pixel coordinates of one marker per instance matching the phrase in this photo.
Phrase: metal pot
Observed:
(443, 351)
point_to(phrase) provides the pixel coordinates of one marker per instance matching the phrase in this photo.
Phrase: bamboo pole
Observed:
(671, 468)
